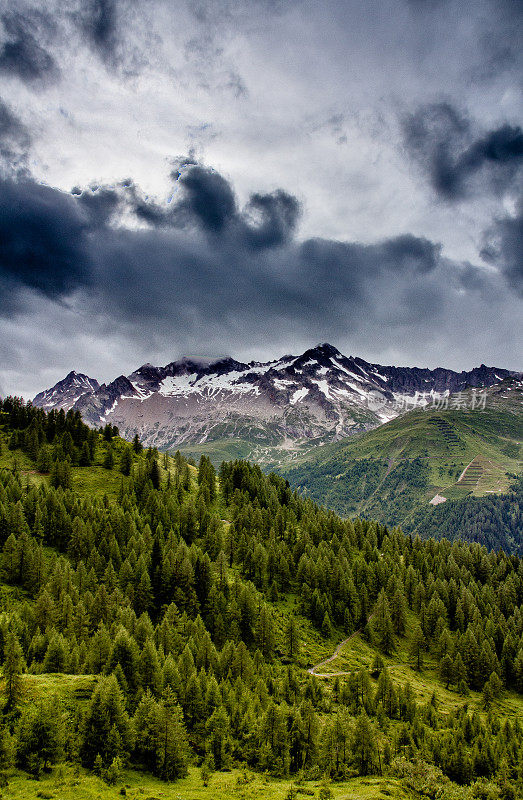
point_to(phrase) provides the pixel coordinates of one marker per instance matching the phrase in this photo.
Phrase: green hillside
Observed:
(165, 632)
(394, 471)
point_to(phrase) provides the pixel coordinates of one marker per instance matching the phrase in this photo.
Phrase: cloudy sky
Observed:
(251, 177)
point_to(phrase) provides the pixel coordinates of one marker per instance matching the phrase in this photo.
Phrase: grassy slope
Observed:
(233, 785)
(94, 480)
(74, 689)
(392, 470)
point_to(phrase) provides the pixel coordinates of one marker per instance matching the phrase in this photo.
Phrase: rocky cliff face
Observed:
(320, 395)
(65, 393)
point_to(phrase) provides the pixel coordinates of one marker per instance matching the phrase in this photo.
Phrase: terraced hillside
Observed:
(399, 468)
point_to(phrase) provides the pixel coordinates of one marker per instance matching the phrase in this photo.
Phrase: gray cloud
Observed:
(204, 269)
(43, 240)
(22, 54)
(457, 161)
(356, 247)
(15, 140)
(102, 25)
(54, 242)
(504, 247)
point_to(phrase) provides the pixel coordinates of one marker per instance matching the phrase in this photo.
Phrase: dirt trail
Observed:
(312, 670)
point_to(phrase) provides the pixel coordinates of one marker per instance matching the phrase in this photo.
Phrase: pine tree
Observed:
(126, 461)
(172, 747)
(364, 746)
(382, 625)
(109, 458)
(107, 731)
(40, 736)
(417, 645)
(326, 626)
(218, 740)
(125, 653)
(265, 631)
(154, 474)
(292, 637)
(13, 668)
(85, 455)
(45, 459)
(399, 612)
(446, 670)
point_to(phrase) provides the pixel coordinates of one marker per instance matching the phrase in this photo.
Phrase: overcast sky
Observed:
(252, 177)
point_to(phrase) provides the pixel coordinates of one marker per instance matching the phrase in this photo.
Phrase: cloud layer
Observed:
(366, 187)
(202, 273)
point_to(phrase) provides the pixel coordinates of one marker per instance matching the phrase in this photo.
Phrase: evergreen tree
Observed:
(364, 746)
(154, 474)
(292, 637)
(85, 455)
(382, 625)
(446, 670)
(109, 458)
(172, 747)
(13, 668)
(45, 459)
(126, 461)
(107, 731)
(417, 646)
(40, 736)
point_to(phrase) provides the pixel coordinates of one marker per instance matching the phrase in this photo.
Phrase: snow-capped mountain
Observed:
(320, 395)
(66, 392)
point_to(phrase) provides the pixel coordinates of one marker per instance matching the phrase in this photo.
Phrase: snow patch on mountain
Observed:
(195, 400)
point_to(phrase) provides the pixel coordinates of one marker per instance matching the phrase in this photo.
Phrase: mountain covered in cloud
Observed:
(318, 396)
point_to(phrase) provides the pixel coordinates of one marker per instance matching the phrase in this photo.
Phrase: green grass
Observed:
(359, 654)
(66, 784)
(394, 470)
(94, 480)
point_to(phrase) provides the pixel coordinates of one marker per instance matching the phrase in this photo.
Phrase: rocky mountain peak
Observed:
(319, 395)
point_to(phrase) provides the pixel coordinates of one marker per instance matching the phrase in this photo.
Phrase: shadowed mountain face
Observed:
(319, 396)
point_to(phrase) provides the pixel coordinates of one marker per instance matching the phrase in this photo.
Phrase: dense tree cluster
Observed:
(164, 599)
(54, 440)
(495, 520)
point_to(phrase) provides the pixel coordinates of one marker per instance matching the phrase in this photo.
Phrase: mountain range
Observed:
(292, 402)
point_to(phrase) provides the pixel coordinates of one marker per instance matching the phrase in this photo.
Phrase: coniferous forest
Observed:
(169, 621)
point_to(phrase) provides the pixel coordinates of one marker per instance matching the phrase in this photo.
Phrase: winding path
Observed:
(312, 670)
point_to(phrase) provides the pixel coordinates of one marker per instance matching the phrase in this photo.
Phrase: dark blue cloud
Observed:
(199, 252)
(457, 161)
(23, 55)
(101, 24)
(504, 247)
(43, 239)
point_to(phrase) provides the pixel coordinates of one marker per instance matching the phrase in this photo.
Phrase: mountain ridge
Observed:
(318, 395)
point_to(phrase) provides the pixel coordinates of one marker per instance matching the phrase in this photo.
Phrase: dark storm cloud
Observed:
(209, 199)
(23, 53)
(277, 215)
(11, 128)
(204, 257)
(207, 265)
(43, 239)
(504, 247)
(458, 161)
(102, 24)
(206, 200)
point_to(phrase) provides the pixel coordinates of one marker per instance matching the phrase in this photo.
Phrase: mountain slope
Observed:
(399, 468)
(67, 392)
(268, 408)
(181, 616)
